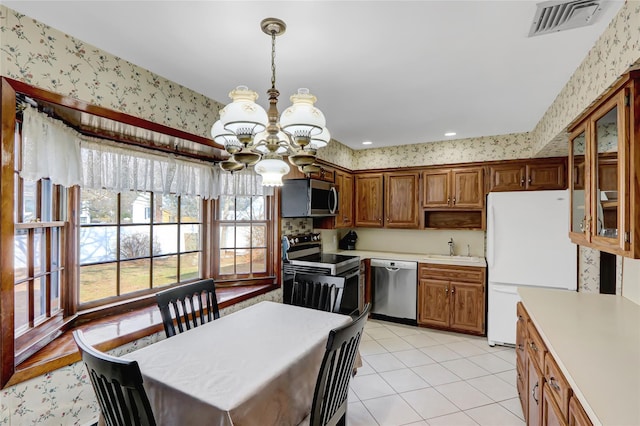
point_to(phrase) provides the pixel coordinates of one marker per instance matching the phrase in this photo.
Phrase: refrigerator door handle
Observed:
(509, 289)
(491, 238)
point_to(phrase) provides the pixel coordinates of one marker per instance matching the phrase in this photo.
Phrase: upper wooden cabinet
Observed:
(344, 184)
(401, 191)
(603, 171)
(458, 188)
(531, 175)
(398, 208)
(369, 200)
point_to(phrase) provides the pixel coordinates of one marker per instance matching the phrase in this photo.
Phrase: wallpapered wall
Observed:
(65, 396)
(42, 56)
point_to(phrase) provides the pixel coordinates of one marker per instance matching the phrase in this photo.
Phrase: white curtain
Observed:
(50, 149)
(117, 168)
(53, 150)
(244, 182)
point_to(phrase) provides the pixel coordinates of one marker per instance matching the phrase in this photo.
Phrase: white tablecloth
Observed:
(257, 366)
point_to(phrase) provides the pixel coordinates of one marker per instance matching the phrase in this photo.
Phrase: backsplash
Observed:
(296, 225)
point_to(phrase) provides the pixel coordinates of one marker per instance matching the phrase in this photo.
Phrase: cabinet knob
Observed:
(453, 290)
(521, 181)
(446, 289)
(454, 201)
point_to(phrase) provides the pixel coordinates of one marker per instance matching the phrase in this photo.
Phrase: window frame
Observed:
(9, 88)
(118, 261)
(228, 279)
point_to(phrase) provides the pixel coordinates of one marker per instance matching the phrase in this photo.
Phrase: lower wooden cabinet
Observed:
(452, 298)
(534, 393)
(551, 414)
(577, 416)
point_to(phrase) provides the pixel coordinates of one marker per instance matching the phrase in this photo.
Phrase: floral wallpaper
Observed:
(588, 270)
(502, 147)
(338, 154)
(617, 49)
(65, 396)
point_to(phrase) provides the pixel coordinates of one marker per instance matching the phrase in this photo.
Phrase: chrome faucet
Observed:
(451, 246)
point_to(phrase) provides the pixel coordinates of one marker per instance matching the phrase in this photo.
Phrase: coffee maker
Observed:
(348, 242)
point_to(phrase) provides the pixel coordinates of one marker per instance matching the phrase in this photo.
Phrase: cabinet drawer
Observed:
(537, 348)
(452, 272)
(558, 386)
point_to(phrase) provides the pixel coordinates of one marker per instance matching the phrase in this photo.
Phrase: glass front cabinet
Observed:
(604, 161)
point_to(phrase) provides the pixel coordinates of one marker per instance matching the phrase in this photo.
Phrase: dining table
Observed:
(256, 366)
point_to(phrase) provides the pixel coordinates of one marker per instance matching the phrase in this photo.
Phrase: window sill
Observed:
(116, 330)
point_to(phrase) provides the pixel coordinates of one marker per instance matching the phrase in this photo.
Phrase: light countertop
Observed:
(422, 258)
(595, 339)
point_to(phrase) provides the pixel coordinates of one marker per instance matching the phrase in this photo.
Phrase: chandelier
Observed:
(255, 137)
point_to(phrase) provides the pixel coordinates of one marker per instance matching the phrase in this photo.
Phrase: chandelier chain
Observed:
(273, 59)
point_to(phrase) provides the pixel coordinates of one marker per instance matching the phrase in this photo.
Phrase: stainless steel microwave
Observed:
(308, 198)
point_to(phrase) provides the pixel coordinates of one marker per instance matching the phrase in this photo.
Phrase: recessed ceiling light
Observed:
(450, 134)
(367, 143)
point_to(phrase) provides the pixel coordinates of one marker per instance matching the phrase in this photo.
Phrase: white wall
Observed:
(427, 241)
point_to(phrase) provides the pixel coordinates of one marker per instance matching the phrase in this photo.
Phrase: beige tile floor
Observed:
(419, 376)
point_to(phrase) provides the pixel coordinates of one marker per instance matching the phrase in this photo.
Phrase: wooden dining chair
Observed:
(193, 305)
(332, 386)
(322, 292)
(118, 386)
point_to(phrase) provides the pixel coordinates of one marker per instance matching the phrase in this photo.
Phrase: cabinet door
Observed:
(344, 217)
(467, 307)
(436, 188)
(579, 186)
(521, 336)
(433, 303)
(577, 416)
(468, 188)
(535, 394)
(546, 176)
(401, 200)
(369, 201)
(551, 414)
(509, 177)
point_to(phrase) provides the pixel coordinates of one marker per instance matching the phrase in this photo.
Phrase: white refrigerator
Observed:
(527, 245)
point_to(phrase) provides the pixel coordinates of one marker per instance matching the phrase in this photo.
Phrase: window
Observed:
(39, 214)
(135, 242)
(243, 230)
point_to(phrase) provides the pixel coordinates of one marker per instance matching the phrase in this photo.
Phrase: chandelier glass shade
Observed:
(259, 138)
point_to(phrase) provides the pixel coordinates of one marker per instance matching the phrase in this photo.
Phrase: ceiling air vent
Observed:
(553, 16)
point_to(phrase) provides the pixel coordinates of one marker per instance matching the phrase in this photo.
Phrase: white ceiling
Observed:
(392, 72)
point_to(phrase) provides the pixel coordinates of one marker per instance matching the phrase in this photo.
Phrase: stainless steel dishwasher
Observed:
(395, 287)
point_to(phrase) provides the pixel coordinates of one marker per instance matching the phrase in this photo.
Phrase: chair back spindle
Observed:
(192, 305)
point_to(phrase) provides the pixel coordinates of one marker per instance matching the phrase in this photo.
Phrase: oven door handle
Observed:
(352, 274)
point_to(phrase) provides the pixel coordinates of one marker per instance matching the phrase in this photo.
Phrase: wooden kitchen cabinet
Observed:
(401, 191)
(577, 416)
(453, 188)
(452, 297)
(369, 200)
(387, 200)
(534, 392)
(326, 174)
(522, 362)
(604, 171)
(545, 394)
(532, 175)
(344, 185)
